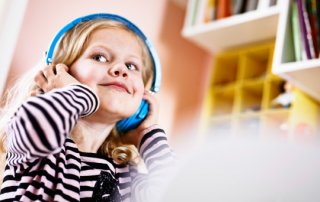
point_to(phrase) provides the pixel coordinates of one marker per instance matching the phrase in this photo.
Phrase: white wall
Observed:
(11, 17)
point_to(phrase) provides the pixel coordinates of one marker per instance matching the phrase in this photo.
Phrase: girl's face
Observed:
(112, 64)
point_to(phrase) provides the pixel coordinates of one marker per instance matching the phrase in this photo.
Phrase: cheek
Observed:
(140, 88)
(86, 75)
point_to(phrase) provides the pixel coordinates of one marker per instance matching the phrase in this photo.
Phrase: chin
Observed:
(116, 110)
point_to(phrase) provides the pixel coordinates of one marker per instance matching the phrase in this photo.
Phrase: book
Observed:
(273, 2)
(223, 9)
(201, 12)
(238, 6)
(194, 11)
(296, 32)
(210, 10)
(318, 22)
(263, 4)
(308, 31)
(303, 29)
(251, 5)
(312, 12)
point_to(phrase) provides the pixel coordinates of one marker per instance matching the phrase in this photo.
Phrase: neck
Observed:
(89, 136)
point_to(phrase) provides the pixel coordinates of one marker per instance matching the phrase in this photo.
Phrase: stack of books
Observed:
(209, 10)
(305, 20)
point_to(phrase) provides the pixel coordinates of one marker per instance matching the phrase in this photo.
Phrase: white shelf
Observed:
(235, 30)
(303, 74)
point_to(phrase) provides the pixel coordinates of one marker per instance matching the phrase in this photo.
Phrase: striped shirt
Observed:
(44, 164)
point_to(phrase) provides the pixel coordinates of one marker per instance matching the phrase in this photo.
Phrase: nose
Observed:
(119, 70)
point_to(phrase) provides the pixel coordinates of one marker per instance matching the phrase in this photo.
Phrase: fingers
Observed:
(50, 77)
(41, 81)
(150, 97)
(61, 68)
(153, 113)
(48, 72)
(36, 91)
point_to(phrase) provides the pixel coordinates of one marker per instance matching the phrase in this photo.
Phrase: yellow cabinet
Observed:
(241, 95)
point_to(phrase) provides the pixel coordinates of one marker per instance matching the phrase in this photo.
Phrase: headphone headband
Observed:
(154, 56)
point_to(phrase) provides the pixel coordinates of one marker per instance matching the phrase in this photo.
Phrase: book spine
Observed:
(210, 11)
(251, 5)
(303, 28)
(318, 22)
(263, 4)
(311, 9)
(296, 32)
(202, 6)
(238, 7)
(223, 9)
(308, 32)
(194, 10)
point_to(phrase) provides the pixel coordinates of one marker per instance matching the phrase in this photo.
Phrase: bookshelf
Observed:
(241, 93)
(269, 23)
(248, 72)
(303, 74)
(233, 31)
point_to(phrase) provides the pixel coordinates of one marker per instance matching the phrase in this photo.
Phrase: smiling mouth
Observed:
(118, 87)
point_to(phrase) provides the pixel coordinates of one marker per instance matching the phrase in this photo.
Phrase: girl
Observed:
(62, 143)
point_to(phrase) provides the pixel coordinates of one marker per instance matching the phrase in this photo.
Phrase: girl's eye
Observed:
(131, 66)
(99, 58)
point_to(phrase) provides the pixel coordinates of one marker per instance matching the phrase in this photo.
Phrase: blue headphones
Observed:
(133, 121)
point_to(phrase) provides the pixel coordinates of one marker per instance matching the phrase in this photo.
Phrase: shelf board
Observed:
(235, 31)
(277, 112)
(303, 74)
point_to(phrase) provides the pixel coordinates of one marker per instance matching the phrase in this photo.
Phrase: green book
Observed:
(195, 8)
(296, 32)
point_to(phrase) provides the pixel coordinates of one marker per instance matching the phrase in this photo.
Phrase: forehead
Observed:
(116, 37)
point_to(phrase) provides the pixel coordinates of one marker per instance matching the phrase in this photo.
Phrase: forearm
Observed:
(41, 124)
(160, 162)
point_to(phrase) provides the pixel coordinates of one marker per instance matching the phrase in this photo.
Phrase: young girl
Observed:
(62, 143)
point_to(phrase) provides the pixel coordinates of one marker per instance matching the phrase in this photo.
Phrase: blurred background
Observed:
(28, 27)
(240, 91)
(232, 68)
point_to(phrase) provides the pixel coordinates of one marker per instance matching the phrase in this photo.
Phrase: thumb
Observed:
(62, 68)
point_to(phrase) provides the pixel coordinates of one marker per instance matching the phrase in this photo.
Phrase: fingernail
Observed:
(151, 92)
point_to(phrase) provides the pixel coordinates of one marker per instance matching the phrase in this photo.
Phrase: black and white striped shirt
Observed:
(44, 164)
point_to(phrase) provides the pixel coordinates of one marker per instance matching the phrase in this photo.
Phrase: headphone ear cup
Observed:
(133, 121)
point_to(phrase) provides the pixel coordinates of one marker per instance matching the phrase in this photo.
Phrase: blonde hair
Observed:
(69, 49)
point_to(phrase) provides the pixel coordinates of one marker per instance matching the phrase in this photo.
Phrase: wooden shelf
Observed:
(235, 30)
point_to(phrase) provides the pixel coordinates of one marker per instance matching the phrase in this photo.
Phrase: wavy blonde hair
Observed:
(69, 49)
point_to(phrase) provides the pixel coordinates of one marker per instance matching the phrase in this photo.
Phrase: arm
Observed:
(41, 124)
(160, 163)
(152, 143)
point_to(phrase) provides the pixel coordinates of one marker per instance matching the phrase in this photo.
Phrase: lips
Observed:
(117, 86)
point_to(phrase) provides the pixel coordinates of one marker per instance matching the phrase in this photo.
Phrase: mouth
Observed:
(117, 86)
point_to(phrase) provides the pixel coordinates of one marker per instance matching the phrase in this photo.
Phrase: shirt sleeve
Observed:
(41, 124)
(160, 163)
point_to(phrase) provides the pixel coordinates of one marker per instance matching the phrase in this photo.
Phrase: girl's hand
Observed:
(134, 136)
(51, 77)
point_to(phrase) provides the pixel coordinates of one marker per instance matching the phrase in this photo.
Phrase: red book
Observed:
(312, 12)
(223, 8)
